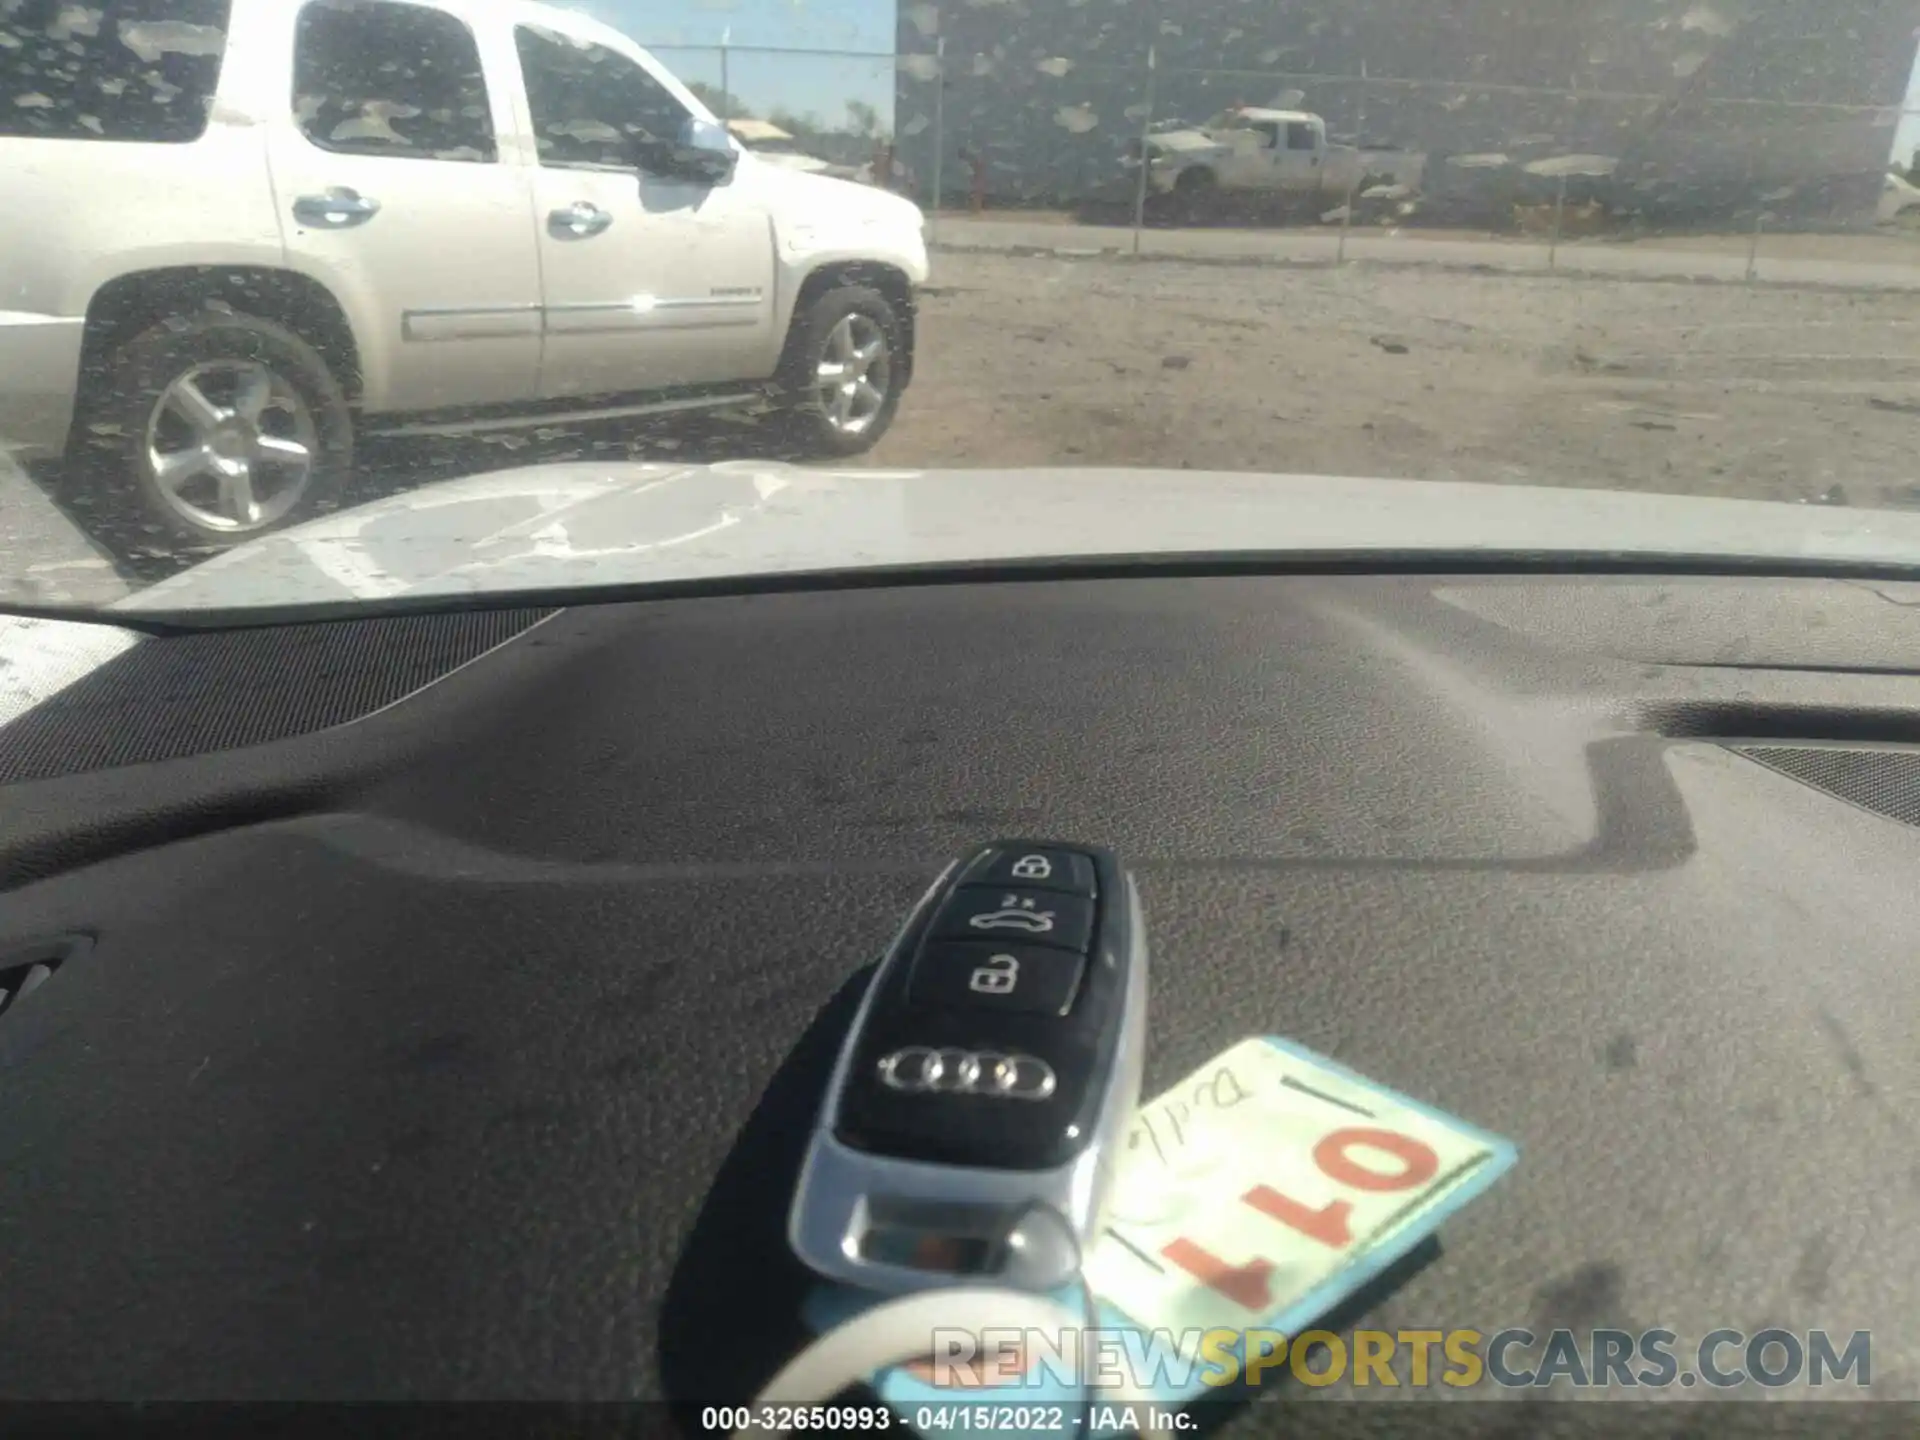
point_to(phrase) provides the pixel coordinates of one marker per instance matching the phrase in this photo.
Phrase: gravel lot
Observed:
(1763, 391)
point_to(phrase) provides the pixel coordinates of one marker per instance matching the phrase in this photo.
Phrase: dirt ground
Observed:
(1762, 392)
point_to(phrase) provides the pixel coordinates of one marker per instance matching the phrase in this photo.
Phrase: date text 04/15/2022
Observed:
(1057, 1419)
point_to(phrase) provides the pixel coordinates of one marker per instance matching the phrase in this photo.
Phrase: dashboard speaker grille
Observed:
(1882, 780)
(192, 694)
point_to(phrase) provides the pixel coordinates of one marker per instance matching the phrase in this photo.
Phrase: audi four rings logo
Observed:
(921, 1070)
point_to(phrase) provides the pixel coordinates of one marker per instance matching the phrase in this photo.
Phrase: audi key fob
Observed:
(974, 1123)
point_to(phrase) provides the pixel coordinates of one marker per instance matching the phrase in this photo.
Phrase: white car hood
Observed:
(566, 526)
(810, 198)
(1185, 141)
(788, 160)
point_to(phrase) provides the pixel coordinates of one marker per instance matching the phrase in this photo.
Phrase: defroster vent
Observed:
(1875, 778)
(183, 695)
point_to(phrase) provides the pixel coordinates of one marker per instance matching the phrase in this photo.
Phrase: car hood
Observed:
(792, 160)
(1184, 141)
(807, 198)
(585, 526)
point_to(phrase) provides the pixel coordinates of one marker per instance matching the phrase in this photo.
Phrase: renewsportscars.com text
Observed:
(1458, 1359)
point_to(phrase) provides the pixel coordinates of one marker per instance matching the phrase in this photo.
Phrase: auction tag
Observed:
(1260, 1179)
(1260, 1193)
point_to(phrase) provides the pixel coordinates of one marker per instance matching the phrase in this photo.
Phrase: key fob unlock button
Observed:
(1030, 979)
(1016, 915)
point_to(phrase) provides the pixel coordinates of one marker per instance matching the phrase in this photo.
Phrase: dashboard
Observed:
(435, 1007)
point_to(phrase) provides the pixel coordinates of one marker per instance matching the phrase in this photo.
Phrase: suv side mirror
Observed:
(703, 153)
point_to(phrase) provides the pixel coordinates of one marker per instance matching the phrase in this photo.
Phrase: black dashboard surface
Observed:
(466, 1051)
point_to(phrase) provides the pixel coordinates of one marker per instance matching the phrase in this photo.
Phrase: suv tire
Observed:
(214, 428)
(844, 373)
(1196, 193)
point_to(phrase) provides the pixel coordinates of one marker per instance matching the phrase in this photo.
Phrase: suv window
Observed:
(587, 101)
(380, 77)
(1299, 135)
(127, 70)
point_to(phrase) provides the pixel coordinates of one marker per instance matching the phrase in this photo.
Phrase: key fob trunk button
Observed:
(1033, 917)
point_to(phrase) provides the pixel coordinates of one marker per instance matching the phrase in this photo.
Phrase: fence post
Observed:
(1353, 184)
(1146, 132)
(1346, 222)
(1559, 208)
(726, 92)
(1753, 247)
(939, 131)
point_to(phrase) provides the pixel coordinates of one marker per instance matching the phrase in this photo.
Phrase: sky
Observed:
(800, 84)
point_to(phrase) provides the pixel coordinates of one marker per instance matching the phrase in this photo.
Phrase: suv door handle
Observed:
(338, 209)
(579, 220)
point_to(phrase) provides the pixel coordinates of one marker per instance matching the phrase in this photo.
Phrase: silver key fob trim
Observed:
(845, 1193)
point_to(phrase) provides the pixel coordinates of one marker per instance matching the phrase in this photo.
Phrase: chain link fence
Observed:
(1000, 129)
(830, 106)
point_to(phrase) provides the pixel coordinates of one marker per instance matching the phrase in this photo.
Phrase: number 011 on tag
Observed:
(1253, 1185)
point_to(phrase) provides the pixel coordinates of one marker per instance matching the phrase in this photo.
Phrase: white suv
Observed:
(237, 233)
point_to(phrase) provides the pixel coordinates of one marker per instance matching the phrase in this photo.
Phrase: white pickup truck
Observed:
(1283, 153)
(242, 233)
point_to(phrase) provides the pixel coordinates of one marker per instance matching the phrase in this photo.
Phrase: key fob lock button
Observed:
(1039, 869)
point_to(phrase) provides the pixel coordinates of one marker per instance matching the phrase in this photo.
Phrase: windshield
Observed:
(335, 301)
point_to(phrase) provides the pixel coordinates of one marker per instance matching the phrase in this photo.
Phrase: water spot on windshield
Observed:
(1708, 21)
(150, 39)
(74, 22)
(374, 123)
(1077, 118)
